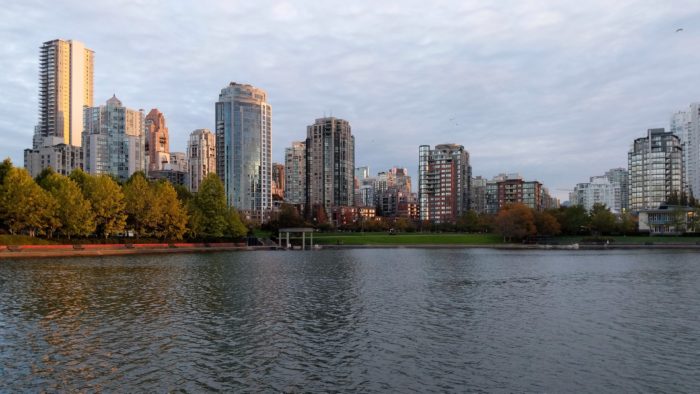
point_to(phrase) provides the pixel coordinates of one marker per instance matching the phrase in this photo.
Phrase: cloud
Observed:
(554, 90)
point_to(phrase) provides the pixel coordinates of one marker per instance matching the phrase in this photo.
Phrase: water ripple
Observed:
(354, 321)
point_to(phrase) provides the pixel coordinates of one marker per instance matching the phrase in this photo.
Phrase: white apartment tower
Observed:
(686, 125)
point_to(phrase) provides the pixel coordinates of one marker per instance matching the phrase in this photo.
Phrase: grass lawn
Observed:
(641, 239)
(405, 239)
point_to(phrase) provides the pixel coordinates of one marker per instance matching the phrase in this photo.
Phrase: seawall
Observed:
(46, 251)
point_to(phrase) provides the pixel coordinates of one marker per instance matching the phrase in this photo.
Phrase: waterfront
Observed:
(362, 320)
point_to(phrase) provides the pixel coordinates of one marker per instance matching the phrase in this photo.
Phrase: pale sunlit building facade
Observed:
(201, 155)
(114, 140)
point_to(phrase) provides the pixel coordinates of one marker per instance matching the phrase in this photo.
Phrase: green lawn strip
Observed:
(641, 239)
(405, 239)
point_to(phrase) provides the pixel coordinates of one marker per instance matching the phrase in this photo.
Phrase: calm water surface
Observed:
(401, 320)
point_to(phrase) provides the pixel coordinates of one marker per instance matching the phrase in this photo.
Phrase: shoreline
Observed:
(95, 250)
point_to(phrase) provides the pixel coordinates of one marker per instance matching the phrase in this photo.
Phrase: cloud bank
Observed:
(554, 90)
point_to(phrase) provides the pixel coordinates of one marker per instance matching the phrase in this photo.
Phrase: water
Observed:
(398, 320)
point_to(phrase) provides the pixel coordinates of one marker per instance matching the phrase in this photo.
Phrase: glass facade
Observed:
(656, 169)
(114, 140)
(243, 147)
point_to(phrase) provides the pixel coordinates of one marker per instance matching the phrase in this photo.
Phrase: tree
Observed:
(673, 198)
(468, 222)
(572, 220)
(602, 220)
(5, 167)
(209, 215)
(141, 207)
(183, 194)
(515, 221)
(627, 224)
(234, 226)
(24, 206)
(73, 211)
(546, 224)
(107, 201)
(171, 216)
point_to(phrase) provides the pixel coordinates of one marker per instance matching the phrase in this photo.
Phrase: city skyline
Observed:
(542, 90)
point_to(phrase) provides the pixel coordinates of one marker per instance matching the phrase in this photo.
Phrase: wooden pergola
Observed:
(294, 231)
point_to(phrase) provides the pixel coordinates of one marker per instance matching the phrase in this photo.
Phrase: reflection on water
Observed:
(355, 320)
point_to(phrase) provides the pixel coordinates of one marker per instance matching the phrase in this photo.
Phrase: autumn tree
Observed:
(515, 221)
(107, 201)
(627, 224)
(24, 206)
(74, 212)
(141, 207)
(171, 215)
(546, 224)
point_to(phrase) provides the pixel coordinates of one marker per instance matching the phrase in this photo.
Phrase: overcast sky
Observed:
(554, 90)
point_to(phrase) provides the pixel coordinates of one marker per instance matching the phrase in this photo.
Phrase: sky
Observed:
(553, 90)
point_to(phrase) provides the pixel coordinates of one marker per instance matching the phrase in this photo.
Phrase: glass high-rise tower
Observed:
(656, 169)
(243, 148)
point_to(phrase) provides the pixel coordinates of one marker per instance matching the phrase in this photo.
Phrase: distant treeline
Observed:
(513, 222)
(82, 205)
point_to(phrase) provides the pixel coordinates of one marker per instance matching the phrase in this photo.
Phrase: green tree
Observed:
(107, 201)
(515, 221)
(183, 194)
(234, 226)
(172, 215)
(468, 222)
(24, 206)
(546, 224)
(5, 167)
(73, 211)
(208, 210)
(572, 220)
(142, 208)
(602, 220)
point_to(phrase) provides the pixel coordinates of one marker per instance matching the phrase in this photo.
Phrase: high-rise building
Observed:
(330, 163)
(114, 140)
(686, 125)
(620, 179)
(656, 169)
(201, 154)
(362, 172)
(278, 181)
(295, 173)
(478, 197)
(65, 87)
(444, 177)
(598, 191)
(243, 148)
(157, 141)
